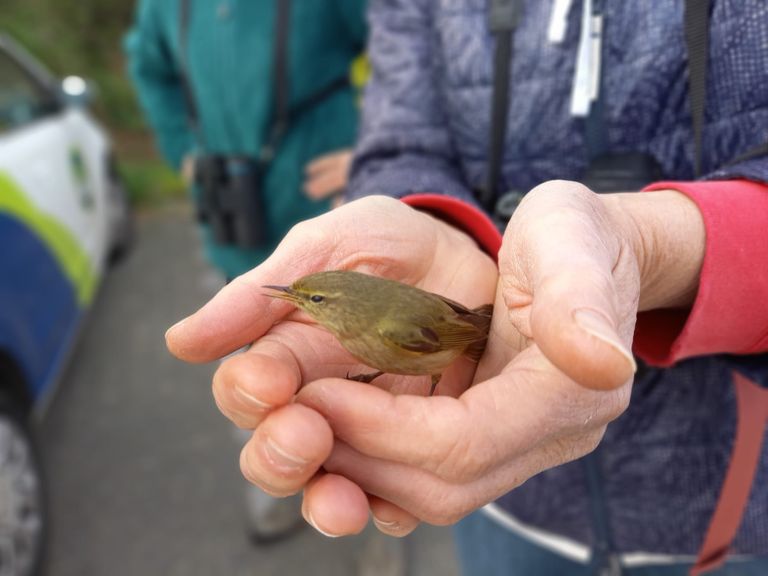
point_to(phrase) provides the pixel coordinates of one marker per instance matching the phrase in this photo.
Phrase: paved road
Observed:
(143, 470)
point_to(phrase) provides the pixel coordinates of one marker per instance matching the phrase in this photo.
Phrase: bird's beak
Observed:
(282, 292)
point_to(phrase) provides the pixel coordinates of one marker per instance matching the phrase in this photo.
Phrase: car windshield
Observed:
(22, 99)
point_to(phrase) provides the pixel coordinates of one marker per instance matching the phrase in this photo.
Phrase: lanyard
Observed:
(282, 112)
(586, 81)
(503, 16)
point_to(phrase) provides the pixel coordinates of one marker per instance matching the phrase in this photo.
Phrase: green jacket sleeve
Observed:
(158, 82)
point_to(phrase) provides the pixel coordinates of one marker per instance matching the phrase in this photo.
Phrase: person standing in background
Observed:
(228, 64)
(252, 102)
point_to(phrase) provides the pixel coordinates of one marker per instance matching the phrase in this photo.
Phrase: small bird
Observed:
(388, 325)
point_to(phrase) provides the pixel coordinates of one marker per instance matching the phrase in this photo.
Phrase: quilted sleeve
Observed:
(404, 145)
(736, 118)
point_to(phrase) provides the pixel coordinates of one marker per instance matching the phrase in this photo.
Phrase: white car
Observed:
(63, 215)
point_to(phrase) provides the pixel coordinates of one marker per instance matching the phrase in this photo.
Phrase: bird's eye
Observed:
(317, 298)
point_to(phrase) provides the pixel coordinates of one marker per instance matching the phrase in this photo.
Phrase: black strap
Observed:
(503, 16)
(756, 152)
(697, 44)
(595, 134)
(193, 118)
(282, 113)
(280, 88)
(605, 560)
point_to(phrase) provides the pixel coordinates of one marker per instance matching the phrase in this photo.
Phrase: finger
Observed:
(410, 493)
(422, 495)
(248, 386)
(328, 162)
(391, 519)
(443, 435)
(579, 315)
(574, 322)
(286, 450)
(326, 183)
(240, 313)
(460, 439)
(335, 506)
(405, 428)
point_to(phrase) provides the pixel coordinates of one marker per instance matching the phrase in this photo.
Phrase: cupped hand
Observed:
(256, 388)
(574, 267)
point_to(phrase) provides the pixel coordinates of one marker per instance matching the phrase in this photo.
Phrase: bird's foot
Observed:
(435, 380)
(366, 378)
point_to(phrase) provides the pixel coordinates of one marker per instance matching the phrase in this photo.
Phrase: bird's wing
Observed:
(458, 333)
(410, 336)
(452, 332)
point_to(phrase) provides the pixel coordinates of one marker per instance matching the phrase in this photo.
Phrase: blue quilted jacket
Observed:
(425, 129)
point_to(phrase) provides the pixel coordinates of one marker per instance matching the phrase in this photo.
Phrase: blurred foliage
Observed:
(151, 182)
(84, 37)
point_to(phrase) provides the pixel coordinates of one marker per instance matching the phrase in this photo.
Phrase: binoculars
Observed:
(230, 199)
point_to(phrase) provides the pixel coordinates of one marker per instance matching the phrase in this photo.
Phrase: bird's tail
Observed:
(480, 317)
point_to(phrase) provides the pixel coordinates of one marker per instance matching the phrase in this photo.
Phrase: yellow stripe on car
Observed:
(63, 245)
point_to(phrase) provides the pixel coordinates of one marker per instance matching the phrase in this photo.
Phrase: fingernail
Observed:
(316, 527)
(250, 400)
(384, 526)
(598, 325)
(280, 457)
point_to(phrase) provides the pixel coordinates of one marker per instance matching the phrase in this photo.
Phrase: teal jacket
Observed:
(230, 51)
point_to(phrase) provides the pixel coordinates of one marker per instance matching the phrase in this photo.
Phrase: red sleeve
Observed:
(463, 216)
(730, 312)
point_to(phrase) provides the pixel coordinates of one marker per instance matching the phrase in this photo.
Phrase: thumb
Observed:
(584, 287)
(576, 325)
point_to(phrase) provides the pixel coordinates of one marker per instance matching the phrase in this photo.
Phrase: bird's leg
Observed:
(367, 378)
(435, 380)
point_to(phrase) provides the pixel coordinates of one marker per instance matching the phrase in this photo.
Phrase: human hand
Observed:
(574, 267)
(327, 174)
(187, 172)
(436, 459)
(256, 389)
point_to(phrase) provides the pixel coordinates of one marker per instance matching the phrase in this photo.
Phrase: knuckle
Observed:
(462, 461)
(310, 232)
(459, 455)
(253, 474)
(447, 507)
(228, 406)
(570, 448)
(617, 402)
(605, 406)
(221, 388)
(301, 230)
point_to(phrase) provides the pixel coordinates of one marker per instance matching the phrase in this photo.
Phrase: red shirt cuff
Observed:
(730, 312)
(463, 216)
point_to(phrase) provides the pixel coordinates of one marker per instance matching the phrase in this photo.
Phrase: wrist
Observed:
(665, 230)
